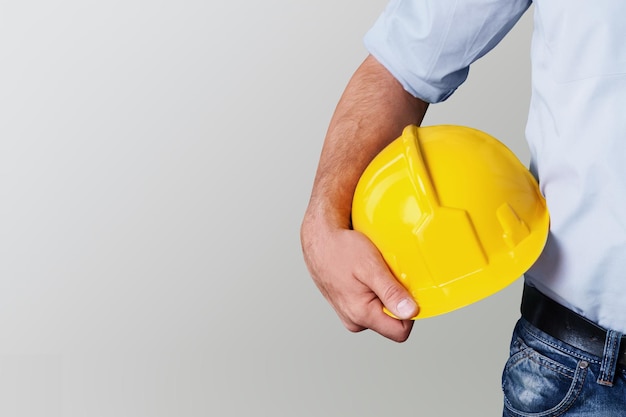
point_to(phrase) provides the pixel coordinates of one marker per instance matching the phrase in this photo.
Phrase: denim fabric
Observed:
(546, 377)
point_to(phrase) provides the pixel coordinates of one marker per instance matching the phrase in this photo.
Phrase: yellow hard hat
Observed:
(455, 214)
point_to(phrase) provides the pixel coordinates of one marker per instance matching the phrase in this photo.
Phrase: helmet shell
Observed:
(454, 213)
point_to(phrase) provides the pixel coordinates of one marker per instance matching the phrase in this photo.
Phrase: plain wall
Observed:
(155, 162)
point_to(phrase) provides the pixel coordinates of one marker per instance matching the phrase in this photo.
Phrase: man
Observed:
(567, 355)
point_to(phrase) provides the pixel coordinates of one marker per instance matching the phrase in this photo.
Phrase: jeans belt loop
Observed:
(609, 358)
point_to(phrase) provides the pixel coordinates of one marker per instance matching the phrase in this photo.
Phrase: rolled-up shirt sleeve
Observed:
(428, 45)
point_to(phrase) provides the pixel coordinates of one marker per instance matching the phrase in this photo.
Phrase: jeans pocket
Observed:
(536, 385)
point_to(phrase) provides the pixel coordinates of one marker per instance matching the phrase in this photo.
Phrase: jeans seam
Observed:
(607, 367)
(580, 384)
(531, 354)
(589, 358)
(578, 381)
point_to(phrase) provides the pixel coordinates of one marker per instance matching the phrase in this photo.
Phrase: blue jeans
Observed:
(548, 378)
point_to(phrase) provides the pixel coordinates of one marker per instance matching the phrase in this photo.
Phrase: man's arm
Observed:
(344, 264)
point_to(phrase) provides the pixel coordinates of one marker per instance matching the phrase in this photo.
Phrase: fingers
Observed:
(394, 329)
(376, 275)
(377, 287)
(354, 278)
(395, 298)
(373, 318)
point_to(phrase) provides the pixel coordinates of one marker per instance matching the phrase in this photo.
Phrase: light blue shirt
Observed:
(576, 124)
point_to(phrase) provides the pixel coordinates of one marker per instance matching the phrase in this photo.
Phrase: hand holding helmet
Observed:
(454, 213)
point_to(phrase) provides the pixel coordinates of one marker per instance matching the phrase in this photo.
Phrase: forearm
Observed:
(372, 112)
(344, 264)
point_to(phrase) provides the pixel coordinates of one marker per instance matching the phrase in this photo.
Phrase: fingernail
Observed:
(406, 308)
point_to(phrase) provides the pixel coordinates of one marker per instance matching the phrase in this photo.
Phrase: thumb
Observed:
(396, 299)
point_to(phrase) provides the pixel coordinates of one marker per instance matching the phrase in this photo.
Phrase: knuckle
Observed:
(398, 339)
(356, 318)
(352, 326)
(392, 292)
(401, 338)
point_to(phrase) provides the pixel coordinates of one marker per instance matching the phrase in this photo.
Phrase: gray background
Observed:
(155, 161)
